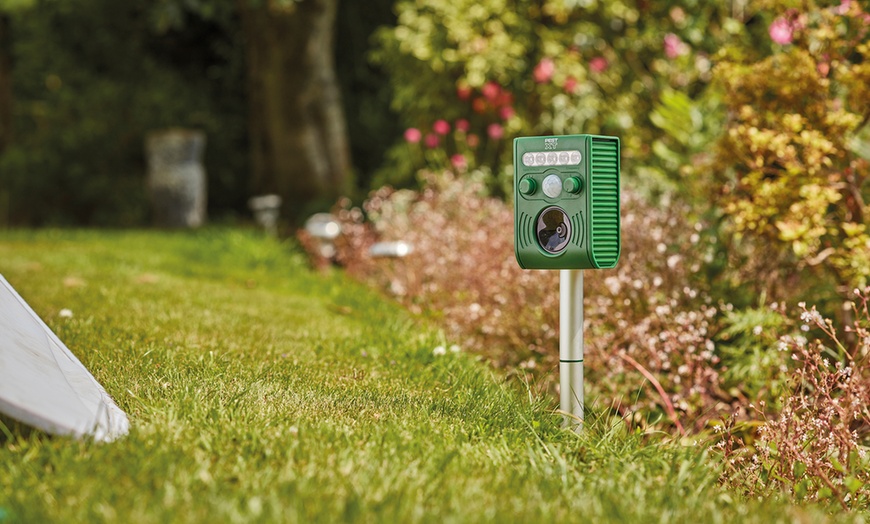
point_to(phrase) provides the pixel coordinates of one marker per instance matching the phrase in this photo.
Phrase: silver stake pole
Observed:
(571, 346)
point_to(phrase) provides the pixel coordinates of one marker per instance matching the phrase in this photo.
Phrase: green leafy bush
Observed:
(754, 368)
(468, 74)
(793, 163)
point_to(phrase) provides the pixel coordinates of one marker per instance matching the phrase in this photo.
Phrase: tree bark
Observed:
(298, 135)
(5, 83)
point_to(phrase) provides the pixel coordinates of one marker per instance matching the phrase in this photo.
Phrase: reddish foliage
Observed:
(463, 273)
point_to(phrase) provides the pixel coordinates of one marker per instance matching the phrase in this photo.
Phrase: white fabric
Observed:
(43, 384)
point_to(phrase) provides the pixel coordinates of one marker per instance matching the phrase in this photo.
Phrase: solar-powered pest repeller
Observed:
(567, 217)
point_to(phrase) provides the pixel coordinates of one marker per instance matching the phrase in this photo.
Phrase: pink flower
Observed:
(490, 91)
(432, 141)
(459, 162)
(495, 131)
(506, 112)
(463, 92)
(462, 125)
(441, 127)
(674, 47)
(823, 68)
(570, 85)
(544, 70)
(472, 140)
(598, 64)
(413, 135)
(781, 31)
(843, 8)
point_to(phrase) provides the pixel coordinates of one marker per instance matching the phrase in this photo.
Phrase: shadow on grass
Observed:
(11, 430)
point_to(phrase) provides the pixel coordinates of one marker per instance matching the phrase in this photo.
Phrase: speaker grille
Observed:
(524, 233)
(577, 224)
(604, 235)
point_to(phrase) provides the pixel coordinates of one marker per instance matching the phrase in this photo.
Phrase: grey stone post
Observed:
(176, 177)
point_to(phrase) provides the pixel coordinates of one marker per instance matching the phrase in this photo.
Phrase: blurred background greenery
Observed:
(85, 81)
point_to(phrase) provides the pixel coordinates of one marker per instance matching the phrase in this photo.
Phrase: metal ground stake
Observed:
(571, 346)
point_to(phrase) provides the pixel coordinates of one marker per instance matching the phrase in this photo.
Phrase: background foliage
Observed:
(91, 78)
(528, 67)
(792, 167)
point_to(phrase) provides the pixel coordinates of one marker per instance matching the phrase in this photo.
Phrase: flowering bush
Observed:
(530, 68)
(816, 445)
(796, 156)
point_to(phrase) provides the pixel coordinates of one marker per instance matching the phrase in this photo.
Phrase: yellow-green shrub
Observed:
(794, 158)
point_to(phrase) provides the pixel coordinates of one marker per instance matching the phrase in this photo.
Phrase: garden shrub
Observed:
(467, 74)
(748, 344)
(793, 163)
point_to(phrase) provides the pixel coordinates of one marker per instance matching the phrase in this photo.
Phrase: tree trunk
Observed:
(5, 83)
(297, 129)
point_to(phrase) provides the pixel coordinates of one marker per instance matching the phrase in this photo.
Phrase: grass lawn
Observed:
(258, 390)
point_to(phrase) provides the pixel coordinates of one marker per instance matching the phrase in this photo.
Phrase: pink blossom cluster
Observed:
(490, 106)
(781, 31)
(783, 28)
(674, 46)
(545, 70)
(492, 99)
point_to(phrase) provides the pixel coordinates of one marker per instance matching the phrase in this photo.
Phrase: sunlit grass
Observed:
(260, 391)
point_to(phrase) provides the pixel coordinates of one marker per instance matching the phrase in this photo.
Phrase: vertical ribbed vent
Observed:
(605, 202)
(577, 224)
(525, 230)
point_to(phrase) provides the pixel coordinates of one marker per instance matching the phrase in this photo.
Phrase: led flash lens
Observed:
(529, 159)
(552, 158)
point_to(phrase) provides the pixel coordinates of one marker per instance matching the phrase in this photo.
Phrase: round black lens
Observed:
(553, 229)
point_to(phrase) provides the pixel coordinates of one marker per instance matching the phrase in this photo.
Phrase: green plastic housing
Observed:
(589, 201)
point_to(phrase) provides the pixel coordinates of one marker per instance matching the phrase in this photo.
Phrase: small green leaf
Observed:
(860, 144)
(837, 465)
(798, 470)
(854, 460)
(852, 484)
(825, 493)
(665, 153)
(800, 489)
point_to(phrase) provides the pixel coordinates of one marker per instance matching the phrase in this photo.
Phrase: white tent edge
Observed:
(43, 384)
